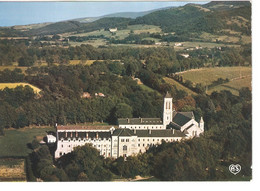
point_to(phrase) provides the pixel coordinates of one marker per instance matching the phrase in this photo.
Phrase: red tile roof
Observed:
(84, 127)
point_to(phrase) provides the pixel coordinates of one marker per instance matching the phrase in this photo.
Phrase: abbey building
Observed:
(133, 135)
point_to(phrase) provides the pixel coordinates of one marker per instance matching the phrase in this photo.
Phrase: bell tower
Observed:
(167, 110)
(201, 124)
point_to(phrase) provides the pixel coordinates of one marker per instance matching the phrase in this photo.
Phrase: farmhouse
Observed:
(112, 30)
(133, 135)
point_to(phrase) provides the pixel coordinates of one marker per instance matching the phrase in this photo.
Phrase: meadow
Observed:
(179, 86)
(15, 141)
(234, 86)
(206, 76)
(238, 77)
(120, 34)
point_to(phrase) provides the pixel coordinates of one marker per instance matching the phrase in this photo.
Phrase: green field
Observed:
(206, 76)
(120, 34)
(233, 86)
(178, 86)
(14, 85)
(14, 143)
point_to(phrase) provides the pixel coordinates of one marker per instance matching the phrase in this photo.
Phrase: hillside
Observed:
(75, 26)
(239, 77)
(210, 17)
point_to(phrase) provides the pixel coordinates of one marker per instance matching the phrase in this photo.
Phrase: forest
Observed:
(227, 140)
(131, 80)
(227, 117)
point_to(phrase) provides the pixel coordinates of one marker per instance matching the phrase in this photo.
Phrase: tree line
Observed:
(226, 140)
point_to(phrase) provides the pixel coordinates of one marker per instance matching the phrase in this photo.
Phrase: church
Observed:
(133, 135)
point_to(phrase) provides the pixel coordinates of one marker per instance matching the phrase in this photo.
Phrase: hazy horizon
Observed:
(25, 13)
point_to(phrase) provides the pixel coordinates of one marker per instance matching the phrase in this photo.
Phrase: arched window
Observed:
(124, 148)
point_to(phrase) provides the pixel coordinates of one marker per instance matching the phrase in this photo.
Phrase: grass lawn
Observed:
(14, 85)
(178, 86)
(14, 143)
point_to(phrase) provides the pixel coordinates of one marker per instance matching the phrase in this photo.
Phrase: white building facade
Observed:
(134, 135)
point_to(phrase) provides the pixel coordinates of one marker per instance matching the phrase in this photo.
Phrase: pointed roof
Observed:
(181, 118)
(168, 95)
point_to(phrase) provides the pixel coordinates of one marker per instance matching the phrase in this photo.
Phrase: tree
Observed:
(123, 110)
(85, 163)
(26, 61)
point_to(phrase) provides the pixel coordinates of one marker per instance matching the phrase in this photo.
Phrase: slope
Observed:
(200, 18)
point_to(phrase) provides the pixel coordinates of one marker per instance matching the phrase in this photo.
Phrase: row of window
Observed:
(135, 127)
(104, 154)
(84, 140)
(105, 146)
(154, 140)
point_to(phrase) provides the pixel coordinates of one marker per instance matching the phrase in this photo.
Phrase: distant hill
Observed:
(131, 15)
(210, 17)
(75, 26)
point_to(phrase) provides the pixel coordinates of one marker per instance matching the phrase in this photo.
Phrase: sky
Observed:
(22, 13)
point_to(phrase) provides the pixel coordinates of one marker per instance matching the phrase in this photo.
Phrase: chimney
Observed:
(66, 134)
(97, 135)
(76, 133)
(173, 131)
(141, 120)
(87, 135)
(134, 131)
(150, 131)
(70, 134)
(128, 120)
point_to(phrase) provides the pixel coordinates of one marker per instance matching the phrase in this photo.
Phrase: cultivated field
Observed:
(12, 170)
(14, 85)
(233, 86)
(13, 67)
(206, 76)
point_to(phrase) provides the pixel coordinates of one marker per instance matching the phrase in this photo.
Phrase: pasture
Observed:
(206, 76)
(234, 86)
(238, 77)
(14, 85)
(15, 142)
(120, 34)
